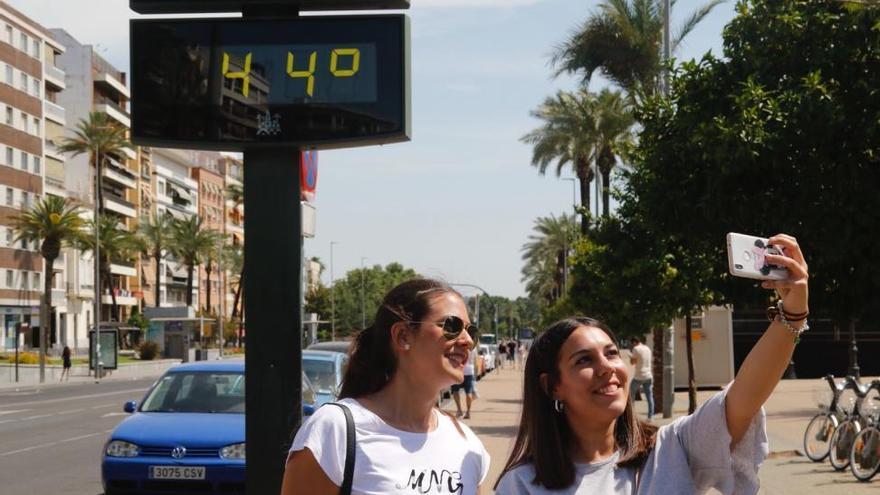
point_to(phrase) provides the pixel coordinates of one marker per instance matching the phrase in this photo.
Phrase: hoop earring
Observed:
(558, 405)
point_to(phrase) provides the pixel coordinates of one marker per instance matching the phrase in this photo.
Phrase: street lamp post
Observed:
(96, 251)
(494, 307)
(332, 295)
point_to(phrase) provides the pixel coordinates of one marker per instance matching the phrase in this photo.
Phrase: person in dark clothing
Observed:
(511, 351)
(65, 360)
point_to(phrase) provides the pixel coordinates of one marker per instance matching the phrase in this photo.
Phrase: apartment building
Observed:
(177, 195)
(94, 85)
(212, 200)
(30, 83)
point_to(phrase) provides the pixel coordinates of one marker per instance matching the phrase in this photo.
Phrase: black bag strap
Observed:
(350, 444)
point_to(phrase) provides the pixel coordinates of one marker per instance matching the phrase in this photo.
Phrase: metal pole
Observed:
(669, 333)
(97, 253)
(363, 299)
(477, 309)
(853, 350)
(221, 293)
(17, 329)
(332, 296)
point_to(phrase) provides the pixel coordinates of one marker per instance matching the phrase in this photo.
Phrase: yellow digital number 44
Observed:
(310, 73)
(244, 74)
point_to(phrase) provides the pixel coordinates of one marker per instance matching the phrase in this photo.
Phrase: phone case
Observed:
(745, 258)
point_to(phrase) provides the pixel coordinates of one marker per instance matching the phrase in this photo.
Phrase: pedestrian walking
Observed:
(502, 353)
(643, 378)
(511, 353)
(578, 432)
(468, 385)
(417, 347)
(65, 364)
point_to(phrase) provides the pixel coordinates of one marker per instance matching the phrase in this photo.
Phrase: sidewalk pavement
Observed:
(495, 417)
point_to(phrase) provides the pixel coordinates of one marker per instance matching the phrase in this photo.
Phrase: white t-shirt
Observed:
(470, 366)
(642, 353)
(690, 456)
(391, 461)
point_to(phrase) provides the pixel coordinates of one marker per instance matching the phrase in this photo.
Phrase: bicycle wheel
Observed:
(817, 436)
(864, 458)
(841, 444)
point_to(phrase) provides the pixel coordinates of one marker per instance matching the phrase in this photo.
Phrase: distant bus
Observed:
(487, 338)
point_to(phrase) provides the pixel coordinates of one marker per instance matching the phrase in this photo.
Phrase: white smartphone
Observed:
(745, 258)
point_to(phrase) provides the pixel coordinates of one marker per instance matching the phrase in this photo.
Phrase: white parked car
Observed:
(488, 353)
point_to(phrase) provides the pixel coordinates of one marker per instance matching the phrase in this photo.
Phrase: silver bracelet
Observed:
(780, 316)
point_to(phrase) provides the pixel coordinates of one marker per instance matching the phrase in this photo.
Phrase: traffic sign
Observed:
(309, 175)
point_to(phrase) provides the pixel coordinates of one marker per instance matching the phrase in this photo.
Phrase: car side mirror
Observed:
(130, 406)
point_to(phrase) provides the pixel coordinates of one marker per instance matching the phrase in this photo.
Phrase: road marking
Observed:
(103, 406)
(50, 444)
(108, 415)
(71, 411)
(13, 411)
(38, 416)
(138, 391)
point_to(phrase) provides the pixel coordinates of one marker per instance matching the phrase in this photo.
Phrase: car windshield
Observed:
(197, 392)
(322, 374)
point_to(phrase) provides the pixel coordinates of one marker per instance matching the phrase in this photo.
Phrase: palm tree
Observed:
(192, 244)
(115, 244)
(155, 236)
(568, 136)
(546, 255)
(235, 193)
(613, 132)
(55, 221)
(623, 40)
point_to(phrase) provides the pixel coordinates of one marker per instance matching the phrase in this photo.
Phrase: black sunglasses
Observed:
(452, 327)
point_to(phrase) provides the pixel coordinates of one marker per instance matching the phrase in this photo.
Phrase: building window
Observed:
(36, 49)
(36, 279)
(37, 88)
(9, 34)
(25, 200)
(10, 197)
(37, 167)
(10, 236)
(9, 278)
(24, 122)
(10, 156)
(24, 166)
(36, 126)
(10, 119)
(24, 280)
(23, 42)
(24, 82)
(9, 74)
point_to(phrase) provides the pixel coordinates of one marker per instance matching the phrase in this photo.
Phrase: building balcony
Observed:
(109, 83)
(121, 300)
(116, 113)
(120, 206)
(54, 76)
(120, 269)
(54, 112)
(119, 175)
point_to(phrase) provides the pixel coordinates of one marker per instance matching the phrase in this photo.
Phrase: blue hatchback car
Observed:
(325, 370)
(188, 435)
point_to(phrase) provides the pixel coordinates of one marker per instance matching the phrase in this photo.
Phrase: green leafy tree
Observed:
(568, 137)
(155, 237)
(115, 245)
(545, 257)
(623, 39)
(192, 244)
(373, 282)
(53, 222)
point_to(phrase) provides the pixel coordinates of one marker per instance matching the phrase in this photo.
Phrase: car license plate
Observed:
(177, 472)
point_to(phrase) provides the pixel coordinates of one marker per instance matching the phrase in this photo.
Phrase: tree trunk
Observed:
(158, 257)
(189, 284)
(584, 182)
(606, 192)
(45, 315)
(692, 384)
(208, 286)
(237, 298)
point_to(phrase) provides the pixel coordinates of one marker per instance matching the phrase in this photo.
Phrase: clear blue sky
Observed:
(459, 200)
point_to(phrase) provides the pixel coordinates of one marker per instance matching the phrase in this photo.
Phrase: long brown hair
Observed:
(545, 438)
(372, 362)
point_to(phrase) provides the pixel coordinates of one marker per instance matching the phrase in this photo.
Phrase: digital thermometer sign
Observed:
(318, 82)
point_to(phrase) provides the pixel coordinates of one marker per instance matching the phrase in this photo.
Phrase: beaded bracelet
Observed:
(779, 314)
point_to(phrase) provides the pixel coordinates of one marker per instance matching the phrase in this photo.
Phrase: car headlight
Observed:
(234, 451)
(119, 448)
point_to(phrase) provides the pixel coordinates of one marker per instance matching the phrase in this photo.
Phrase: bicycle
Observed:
(823, 424)
(845, 433)
(864, 458)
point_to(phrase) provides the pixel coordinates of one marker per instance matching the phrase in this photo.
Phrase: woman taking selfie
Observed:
(417, 347)
(578, 432)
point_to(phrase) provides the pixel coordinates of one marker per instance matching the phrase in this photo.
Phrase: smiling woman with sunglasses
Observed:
(417, 346)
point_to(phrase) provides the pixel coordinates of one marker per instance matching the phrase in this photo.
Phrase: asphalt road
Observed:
(51, 439)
